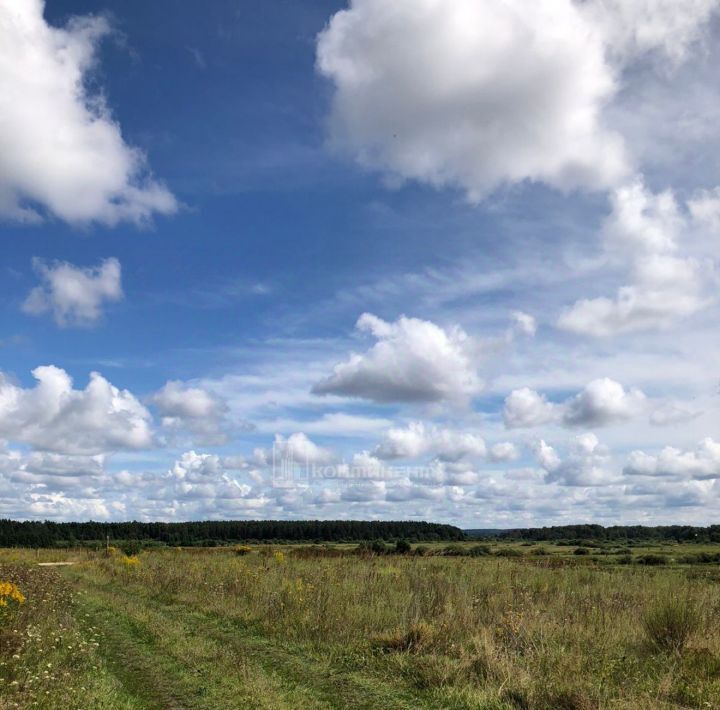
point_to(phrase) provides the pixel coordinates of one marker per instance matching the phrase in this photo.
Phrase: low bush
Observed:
(539, 551)
(669, 623)
(130, 548)
(700, 558)
(508, 552)
(403, 547)
(652, 559)
(479, 550)
(454, 551)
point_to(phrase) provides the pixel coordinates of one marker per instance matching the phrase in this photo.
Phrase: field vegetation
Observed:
(464, 625)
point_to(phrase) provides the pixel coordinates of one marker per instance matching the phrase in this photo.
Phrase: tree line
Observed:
(617, 533)
(210, 533)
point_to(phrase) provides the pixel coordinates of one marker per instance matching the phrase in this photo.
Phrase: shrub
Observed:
(700, 558)
(652, 559)
(454, 550)
(508, 552)
(670, 622)
(378, 547)
(403, 547)
(479, 550)
(130, 548)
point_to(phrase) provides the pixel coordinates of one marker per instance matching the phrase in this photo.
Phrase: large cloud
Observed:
(472, 94)
(74, 295)
(60, 150)
(413, 361)
(476, 94)
(54, 417)
(49, 470)
(702, 463)
(601, 402)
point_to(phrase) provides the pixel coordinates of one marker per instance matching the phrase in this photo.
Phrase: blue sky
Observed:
(457, 259)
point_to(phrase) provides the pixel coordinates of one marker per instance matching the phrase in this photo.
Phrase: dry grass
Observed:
(455, 632)
(573, 636)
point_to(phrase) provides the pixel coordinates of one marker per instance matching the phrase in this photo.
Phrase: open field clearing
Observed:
(301, 627)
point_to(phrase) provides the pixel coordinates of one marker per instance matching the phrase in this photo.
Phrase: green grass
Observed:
(212, 629)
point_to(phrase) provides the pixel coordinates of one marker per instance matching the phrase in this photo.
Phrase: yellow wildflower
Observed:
(9, 592)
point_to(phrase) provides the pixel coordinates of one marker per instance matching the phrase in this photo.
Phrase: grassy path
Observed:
(172, 656)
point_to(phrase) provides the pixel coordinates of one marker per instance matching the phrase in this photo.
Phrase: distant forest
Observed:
(616, 533)
(209, 533)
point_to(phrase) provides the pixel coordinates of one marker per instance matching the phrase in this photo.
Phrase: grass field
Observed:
(537, 626)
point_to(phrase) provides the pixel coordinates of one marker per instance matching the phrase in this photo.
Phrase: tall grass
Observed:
(536, 635)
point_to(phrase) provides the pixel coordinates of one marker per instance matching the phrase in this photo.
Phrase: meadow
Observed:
(468, 625)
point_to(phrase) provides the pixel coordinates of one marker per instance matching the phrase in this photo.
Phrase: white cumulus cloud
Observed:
(701, 463)
(73, 294)
(413, 361)
(472, 94)
(418, 440)
(586, 463)
(643, 231)
(601, 402)
(61, 152)
(300, 449)
(525, 407)
(55, 417)
(183, 407)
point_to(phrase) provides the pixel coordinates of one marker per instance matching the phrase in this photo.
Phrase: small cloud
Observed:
(74, 295)
(523, 324)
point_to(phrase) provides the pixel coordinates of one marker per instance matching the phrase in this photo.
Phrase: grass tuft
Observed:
(416, 638)
(670, 623)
